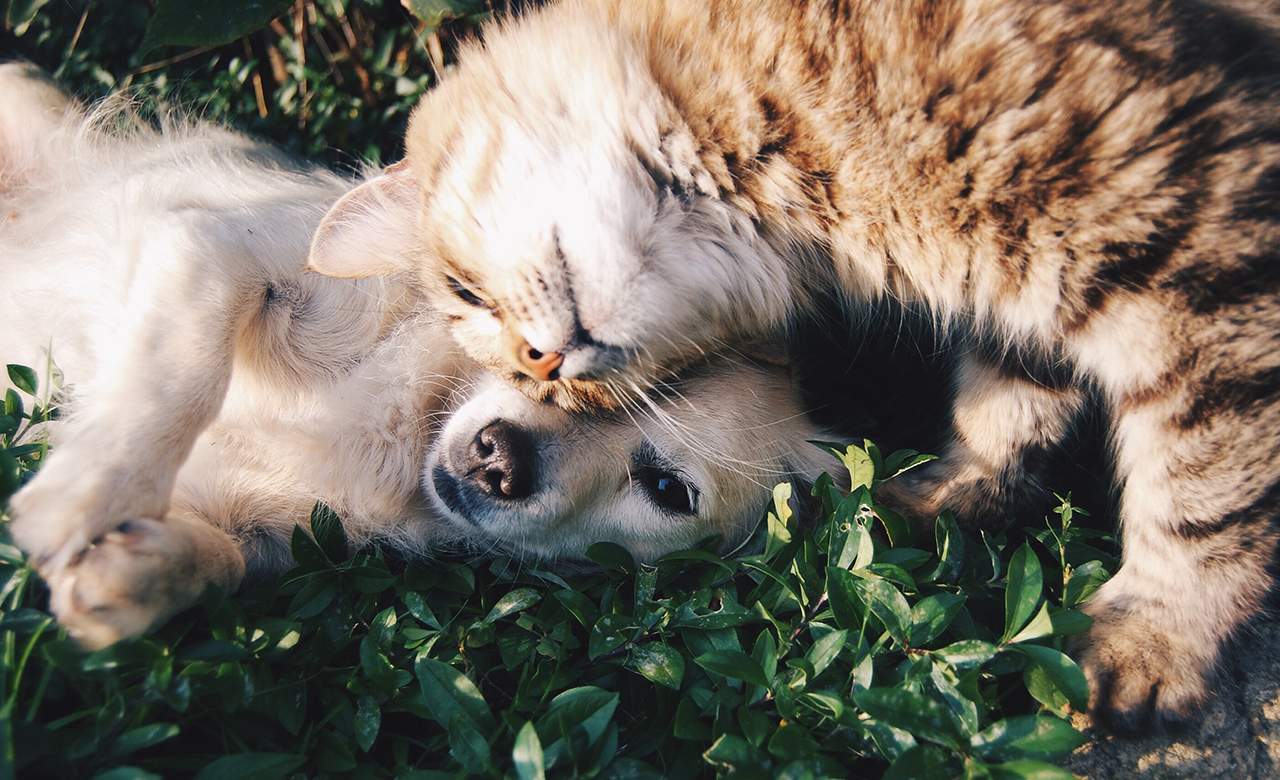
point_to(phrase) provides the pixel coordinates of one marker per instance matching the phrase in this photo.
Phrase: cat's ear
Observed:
(370, 230)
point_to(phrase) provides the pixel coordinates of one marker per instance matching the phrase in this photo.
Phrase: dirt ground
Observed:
(1235, 736)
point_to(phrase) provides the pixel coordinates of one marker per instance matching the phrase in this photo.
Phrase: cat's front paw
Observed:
(924, 493)
(126, 582)
(1143, 676)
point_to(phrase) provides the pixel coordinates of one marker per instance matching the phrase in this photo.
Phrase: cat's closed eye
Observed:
(464, 294)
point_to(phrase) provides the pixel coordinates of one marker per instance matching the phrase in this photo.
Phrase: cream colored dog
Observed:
(216, 390)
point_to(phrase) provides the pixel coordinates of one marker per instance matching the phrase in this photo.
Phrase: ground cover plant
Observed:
(850, 644)
(845, 646)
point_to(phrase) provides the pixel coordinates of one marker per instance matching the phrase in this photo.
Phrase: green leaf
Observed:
(657, 663)
(448, 692)
(931, 615)
(587, 708)
(251, 766)
(792, 742)
(516, 601)
(316, 595)
(22, 377)
(367, 721)
(142, 737)
(902, 461)
(967, 653)
(825, 649)
(779, 520)
(947, 684)
(327, 529)
(862, 470)
(1041, 737)
(1053, 622)
(10, 474)
(207, 22)
(950, 545)
(924, 762)
(1083, 582)
(733, 664)
(733, 753)
(888, 605)
(912, 712)
(1022, 590)
(1043, 689)
(612, 556)
(467, 745)
(526, 754)
(419, 608)
(895, 525)
(609, 633)
(126, 773)
(1029, 770)
(1061, 670)
(436, 12)
(846, 602)
(13, 404)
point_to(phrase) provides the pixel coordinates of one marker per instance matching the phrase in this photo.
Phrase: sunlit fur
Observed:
(215, 389)
(1089, 186)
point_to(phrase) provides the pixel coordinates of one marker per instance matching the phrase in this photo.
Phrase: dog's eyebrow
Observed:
(648, 455)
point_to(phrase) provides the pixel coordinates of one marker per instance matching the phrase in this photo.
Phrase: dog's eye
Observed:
(668, 490)
(465, 295)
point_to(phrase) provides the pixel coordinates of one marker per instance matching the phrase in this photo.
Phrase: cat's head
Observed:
(534, 481)
(556, 209)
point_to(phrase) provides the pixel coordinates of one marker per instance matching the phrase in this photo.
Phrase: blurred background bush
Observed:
(332, 80)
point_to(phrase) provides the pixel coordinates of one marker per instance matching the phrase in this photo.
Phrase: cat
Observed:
(605, 189)
(215, 390)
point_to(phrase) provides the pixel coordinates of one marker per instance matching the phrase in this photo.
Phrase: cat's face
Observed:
(576, 241)
(532, 480)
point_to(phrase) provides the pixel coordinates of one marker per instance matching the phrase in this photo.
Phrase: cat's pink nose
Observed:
(543, 366)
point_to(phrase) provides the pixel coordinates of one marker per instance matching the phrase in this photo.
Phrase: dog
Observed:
(215, 389)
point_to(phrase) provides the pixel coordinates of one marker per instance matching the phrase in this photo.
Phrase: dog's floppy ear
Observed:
(370, 230)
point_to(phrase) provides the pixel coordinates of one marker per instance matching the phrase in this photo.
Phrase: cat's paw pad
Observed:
(1142, 677)
(125, 582)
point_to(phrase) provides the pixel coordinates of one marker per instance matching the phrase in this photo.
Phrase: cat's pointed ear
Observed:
(370, 230)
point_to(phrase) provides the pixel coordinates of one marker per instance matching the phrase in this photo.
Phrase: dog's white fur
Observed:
(216, 389)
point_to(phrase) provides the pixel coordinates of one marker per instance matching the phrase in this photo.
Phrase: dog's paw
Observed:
(59, 513)
(126, 582)
(1142, 676)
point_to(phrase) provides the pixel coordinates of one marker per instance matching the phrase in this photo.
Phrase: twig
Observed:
(167, 61)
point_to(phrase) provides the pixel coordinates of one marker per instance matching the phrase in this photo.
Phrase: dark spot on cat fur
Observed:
(1260, 510)
(1241, 394)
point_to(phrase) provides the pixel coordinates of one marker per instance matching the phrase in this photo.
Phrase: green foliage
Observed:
(833, 649)
(333, 80)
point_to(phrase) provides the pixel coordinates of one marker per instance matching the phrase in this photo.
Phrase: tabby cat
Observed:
(606, 189)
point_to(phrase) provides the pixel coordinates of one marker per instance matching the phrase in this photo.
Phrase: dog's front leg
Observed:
(164, 365)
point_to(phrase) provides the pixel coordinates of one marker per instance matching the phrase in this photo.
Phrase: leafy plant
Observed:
(330, 79)
(849, 645)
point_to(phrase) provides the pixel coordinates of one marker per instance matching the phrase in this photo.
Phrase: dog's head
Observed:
(535, 481)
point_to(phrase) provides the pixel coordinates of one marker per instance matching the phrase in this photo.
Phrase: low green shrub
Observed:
(845, 646)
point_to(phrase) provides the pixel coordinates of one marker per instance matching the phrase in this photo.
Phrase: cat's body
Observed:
(1090, 186)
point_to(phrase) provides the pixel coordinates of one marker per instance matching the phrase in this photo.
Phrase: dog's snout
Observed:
(500, 461)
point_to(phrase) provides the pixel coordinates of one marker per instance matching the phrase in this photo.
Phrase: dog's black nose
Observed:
(500, 461)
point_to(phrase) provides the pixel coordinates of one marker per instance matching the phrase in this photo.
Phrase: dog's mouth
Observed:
(452, 494)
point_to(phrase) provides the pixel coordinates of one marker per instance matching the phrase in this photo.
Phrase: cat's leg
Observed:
(139, 574)
(164, 368)
(1004, 420)
(1198, 462)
